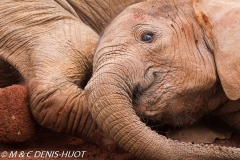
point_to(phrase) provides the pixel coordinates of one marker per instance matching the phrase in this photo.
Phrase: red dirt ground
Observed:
(21, 134)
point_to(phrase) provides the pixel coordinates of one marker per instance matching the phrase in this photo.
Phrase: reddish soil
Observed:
(19, 133)
(16, 123)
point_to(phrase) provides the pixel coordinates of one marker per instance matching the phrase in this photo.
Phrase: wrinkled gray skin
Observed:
(48, 45)
(152, 62)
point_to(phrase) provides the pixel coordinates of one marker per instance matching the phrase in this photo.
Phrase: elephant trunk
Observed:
(110, 102)
(63, 110)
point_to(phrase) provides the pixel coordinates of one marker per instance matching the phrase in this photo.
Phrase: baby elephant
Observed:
(161, 59)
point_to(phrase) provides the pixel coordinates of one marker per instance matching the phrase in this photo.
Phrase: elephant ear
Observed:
(221, 22)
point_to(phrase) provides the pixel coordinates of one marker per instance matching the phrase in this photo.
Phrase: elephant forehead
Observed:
(131, 19)
(144, 13)
(126, 25)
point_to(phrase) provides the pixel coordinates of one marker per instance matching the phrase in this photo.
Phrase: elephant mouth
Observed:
(166, 109)
(145, 108)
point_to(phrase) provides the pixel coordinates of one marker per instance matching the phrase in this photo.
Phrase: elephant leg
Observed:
(8, 75)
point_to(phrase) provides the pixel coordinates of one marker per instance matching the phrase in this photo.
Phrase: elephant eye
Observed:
(147, 37)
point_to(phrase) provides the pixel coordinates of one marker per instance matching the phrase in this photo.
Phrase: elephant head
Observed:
(48, 45)
(153, 62)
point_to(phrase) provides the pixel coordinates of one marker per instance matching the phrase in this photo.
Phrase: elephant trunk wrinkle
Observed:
(63, 109)
(115, 115)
